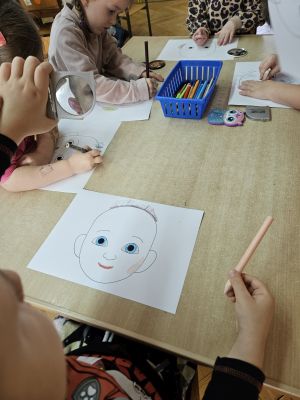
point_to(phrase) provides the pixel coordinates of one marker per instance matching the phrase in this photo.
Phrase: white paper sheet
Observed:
(133, 249)
(187, 49)
(96, 131)
(126, 112)
(250, 71)
(285, 21)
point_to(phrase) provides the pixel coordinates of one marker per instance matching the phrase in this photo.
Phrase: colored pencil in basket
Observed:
(182, 94)
(201, 83)
(205, 83)
(193, 90)
(180, 90)
(210, 83)
(187, 91)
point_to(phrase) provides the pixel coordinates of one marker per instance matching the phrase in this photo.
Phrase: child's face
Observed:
(29, 346)
(107, 254)
(102, 14)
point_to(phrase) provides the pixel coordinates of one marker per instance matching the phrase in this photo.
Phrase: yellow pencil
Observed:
(193, 90)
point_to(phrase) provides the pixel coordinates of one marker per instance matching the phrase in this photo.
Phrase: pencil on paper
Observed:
(73, 146)
(250, 250)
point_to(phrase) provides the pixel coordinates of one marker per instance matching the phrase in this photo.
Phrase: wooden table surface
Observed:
(237, 176)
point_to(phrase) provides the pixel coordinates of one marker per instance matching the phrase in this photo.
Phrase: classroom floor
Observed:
(168, 19)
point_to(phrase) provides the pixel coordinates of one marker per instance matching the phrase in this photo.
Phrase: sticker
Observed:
(236, 52)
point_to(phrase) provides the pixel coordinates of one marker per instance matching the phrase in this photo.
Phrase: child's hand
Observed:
(153, 75)
(254, 307)
(83, 162)
(269, 67)
(226, 34)
(24, 94)
(152, 87)
(200, 36)
(257, 89)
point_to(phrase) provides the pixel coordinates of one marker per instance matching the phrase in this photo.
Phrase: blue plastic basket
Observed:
(182, 72)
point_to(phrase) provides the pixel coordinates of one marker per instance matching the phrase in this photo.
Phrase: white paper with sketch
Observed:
(187, 49)
(130, 248)
(285, 20)
(94, 131)
(250, 71)
(126, 112)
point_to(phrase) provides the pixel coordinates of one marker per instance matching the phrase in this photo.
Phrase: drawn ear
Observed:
(149, 260)
(77, 244)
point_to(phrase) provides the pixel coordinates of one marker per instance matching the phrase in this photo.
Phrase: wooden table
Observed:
(237, 176)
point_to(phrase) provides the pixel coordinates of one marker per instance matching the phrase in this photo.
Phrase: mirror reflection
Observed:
(74, 95)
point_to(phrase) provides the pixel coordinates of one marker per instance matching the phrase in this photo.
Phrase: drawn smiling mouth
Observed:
(105, 266)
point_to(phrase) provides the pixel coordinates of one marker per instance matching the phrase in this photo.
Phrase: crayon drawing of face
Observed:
(288, 11)
(118, 244)
(63, 153)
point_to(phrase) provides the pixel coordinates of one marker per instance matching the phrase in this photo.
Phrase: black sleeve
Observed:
(7, 148)
(235, 380)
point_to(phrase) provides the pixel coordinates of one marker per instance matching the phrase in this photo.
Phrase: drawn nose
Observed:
(109, 256)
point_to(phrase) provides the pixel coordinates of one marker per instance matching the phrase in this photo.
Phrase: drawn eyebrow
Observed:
(138, 238)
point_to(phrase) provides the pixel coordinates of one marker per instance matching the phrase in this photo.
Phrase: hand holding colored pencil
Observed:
(250, 250)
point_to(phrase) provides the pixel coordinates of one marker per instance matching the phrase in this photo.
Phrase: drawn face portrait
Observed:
(289, 13)
(63, 153)
(117, 245)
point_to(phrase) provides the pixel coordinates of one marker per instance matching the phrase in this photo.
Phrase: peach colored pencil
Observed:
(250, 250)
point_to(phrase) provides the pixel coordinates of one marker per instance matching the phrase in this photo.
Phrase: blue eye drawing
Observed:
(100, 241)
(131, 248)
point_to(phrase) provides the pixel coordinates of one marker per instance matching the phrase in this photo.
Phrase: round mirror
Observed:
(74, 95)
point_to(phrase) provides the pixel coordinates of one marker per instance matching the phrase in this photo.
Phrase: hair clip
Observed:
(2, 40)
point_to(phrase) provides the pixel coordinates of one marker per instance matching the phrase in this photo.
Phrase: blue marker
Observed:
(198, 90)
(202, 90)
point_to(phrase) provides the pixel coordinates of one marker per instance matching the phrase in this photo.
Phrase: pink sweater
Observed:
(70, 50)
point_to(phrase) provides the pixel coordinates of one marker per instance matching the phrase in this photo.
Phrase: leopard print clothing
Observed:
(213, 14)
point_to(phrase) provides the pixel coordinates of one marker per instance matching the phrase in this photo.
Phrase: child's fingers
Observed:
(17, 66)
(30, 65)
(157, 77)
(41, 75)
(5, 71)
(94, 153)
(98, 160)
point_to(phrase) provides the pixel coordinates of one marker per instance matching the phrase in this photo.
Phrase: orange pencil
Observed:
(193, 90)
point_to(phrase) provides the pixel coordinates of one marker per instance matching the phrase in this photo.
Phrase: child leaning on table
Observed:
(267, 89)
(29, 345)
(29, 167)
(223, 18)
(80, 41)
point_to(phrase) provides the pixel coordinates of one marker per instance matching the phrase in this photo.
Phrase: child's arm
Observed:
(198, 18)
(69, 51)
(279, 92)
(31, 177)
(44, 150)
(250, 14)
